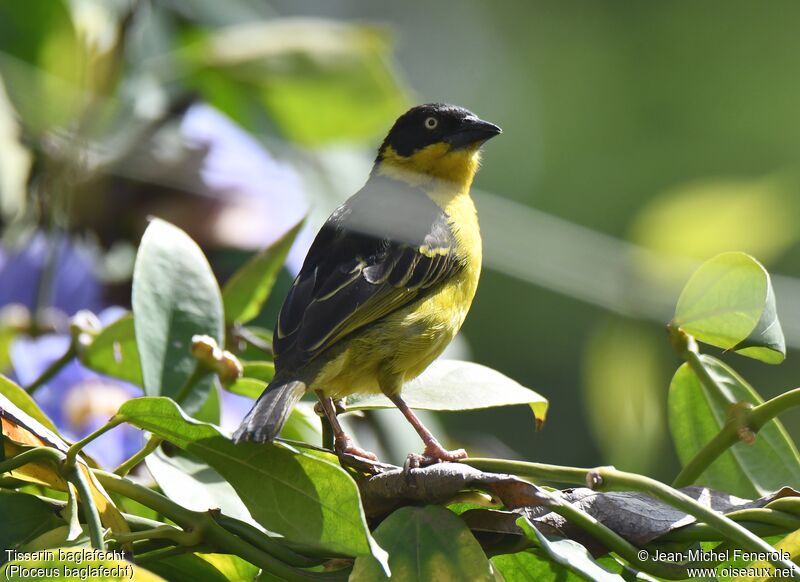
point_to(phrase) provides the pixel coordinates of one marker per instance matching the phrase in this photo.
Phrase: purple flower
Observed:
(264, 196)
(74, 285)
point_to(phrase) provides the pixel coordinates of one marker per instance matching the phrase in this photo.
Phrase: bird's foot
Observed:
(434, 453)
(345, 446)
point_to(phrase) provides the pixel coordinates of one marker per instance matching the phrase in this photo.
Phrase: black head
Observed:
(432, 123)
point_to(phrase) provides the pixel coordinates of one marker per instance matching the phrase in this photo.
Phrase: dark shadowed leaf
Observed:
(248, 288)
(729, 303)
(425, 543)
(113, 352)
(746, 470)
(303, 497)
(175, 296)
(457, 385)
(24, 518)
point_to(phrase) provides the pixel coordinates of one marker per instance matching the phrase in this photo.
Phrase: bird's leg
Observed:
(342, 444)
(434, 452)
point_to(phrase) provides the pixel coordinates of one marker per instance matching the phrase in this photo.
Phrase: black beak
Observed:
(472, 130)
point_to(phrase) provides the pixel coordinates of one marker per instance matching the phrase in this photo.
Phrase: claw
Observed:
(434, 453)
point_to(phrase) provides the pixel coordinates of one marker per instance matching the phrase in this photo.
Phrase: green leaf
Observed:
(303, 497)
(24, 402)
(24, 518)
(41, 62)
(319, 80)
(425, 543)
(745, 470)
(457, 385)
(113, 352)
(175, 296)
(569, 554)
(528, 567)
(250, 387)
(248, 288)
(303, 425)
(198, 486)
(729, 303)
(261, 370)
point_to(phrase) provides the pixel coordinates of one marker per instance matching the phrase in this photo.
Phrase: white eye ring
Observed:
(431, 123)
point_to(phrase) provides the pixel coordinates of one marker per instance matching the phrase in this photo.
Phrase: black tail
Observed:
(270, 412)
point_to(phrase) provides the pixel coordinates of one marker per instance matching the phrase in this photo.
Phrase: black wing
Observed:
(382, 249)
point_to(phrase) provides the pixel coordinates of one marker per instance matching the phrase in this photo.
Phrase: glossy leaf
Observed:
(24, 402)
(175, 296)
(568, 553)
(25, 517)
(425, 543)
(303, 497)
(198, 486)
(745, 470)
(250, 387)
(114, 353)
(262, 370)
(729, 303)
(457, 385)
(248, 288)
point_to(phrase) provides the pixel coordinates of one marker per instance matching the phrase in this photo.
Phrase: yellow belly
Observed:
(399, 347)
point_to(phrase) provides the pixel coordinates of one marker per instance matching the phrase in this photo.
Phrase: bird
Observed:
(386, 283)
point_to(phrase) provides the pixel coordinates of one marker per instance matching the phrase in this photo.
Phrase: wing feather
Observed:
(353, 276)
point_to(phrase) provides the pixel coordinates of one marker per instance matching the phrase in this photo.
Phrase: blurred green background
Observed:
(639, 139)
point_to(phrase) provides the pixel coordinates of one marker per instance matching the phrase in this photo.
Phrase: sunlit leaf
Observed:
(425, 543)
(745, 470)
(568, 553)
(248, 288)
(261, 370)
(41, 62)
(457, 385)
(303, 497)
(114, 353)
(175, 296)
(250, 387)
(24, 402)
(729, 303)
(320, 80)
(198, 486)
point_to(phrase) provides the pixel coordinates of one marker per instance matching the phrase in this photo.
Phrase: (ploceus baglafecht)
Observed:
(387, 282)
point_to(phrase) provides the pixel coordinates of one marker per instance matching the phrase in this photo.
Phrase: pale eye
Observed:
(431, 123)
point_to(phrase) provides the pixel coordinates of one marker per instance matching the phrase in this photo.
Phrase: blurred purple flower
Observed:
(75, 286)
(77, 399)
(264, 196)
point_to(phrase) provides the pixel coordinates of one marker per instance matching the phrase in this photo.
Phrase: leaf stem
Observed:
(199, 372)
(150, 446)
(73, 451)
(536, 471)
(212, 532)
(76, 477)
(608, 478)
(686, 346)
(609, 538)
(728, 436)
(52, 370)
